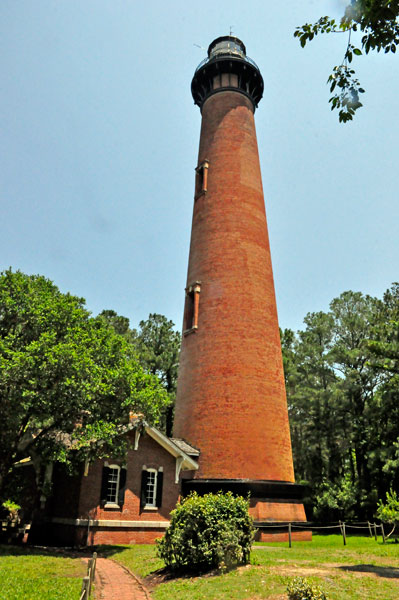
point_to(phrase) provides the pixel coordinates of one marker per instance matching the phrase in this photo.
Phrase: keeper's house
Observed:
(120, 502)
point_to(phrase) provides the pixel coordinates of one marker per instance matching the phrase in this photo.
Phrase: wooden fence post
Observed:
(289, 536)
(89, 566)
(383, 533)
(369, 524)
(93, 566)
(343, 532)
(84, 594)
(375, 532)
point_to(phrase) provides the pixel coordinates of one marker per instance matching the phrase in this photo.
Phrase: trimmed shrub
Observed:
(302, 589)
(208, 532)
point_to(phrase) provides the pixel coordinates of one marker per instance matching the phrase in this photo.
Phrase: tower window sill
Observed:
(203, 193)
(191, 330)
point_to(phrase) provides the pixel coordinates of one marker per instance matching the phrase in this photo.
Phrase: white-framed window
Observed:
(113, 485)
(114, 472)
(151, 488)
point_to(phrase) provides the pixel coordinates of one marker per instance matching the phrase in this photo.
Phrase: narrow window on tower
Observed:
(191, 308)
(225, 77)
(216, 82)
(201, 179)
(233, 80)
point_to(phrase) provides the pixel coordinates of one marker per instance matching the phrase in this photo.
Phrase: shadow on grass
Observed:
(108, 551)
(167, 574)
(158, 575)
(388, 572)
(104, 551)
(55, 551)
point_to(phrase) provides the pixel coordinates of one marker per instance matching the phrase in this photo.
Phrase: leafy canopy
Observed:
(377, 20)
(158, 346)
(342, 381)
(67, 380)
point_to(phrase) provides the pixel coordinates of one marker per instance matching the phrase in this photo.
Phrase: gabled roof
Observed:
(179, 449)
(187, 463)
(185, 447)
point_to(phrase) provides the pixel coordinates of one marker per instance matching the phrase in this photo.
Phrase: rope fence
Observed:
(372, 528)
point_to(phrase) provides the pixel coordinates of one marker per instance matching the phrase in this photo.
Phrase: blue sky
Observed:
(100, 139)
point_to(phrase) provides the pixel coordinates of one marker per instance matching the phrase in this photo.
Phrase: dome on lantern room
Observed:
(226, 45)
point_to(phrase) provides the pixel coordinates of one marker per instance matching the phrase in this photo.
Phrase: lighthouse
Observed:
(231, 401)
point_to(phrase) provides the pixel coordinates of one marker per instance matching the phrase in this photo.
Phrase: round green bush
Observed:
(208, 532)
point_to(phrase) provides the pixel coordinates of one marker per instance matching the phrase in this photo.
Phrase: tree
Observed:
(338, 404)
(158, 346)
(67, 380)
(355, 317)
(119, 324)
(385, 343)
(378, 21)
(316, 409)
(389, 512)
(384, 357)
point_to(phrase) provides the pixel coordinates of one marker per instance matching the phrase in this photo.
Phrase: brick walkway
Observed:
(115, 582)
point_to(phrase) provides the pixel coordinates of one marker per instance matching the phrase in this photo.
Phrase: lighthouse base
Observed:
(281, 536)
(273, 504)
(271, 518)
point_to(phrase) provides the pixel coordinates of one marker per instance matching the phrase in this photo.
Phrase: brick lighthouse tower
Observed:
(231, 400)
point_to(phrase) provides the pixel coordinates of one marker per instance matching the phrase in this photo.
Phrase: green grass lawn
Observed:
(32, 574)
(364, 569)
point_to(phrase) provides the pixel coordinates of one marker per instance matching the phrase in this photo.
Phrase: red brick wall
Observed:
(231, 399)
(149, 453)
(124, 536)
(78, 497)
(269, 510)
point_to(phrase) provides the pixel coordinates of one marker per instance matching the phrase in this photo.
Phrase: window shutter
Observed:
(122, 486)
(104, 485)
(159, 488)
(144, 479)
